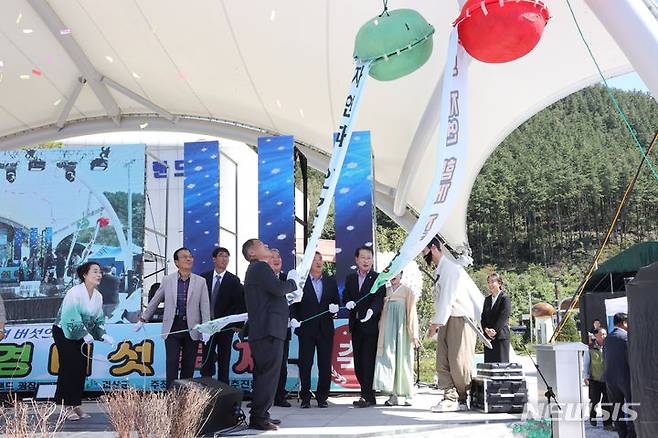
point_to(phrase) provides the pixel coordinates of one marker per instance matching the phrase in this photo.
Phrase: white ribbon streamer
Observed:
(341, 143)
(451, 161)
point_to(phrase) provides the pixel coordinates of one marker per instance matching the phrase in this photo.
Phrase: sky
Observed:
(630, 81)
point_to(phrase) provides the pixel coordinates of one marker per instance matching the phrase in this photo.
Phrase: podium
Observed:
(562, 365)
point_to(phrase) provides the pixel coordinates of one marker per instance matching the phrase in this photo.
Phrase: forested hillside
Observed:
(548, 192)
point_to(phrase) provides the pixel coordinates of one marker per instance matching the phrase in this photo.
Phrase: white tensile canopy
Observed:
(239, 69)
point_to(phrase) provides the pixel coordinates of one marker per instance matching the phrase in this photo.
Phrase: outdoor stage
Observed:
(341, 419)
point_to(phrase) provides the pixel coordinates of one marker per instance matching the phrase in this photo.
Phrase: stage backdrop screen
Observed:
(62, 207)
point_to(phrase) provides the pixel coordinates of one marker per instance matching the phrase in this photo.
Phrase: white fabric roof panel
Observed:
(283, 66)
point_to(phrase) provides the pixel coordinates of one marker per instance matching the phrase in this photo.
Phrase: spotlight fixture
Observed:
(69, 169)
(100, 163)
(10, 171)
(34, 164)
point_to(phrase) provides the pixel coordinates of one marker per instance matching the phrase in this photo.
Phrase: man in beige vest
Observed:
(455, 297)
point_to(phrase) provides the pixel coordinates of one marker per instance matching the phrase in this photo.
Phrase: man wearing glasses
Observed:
(186, 304)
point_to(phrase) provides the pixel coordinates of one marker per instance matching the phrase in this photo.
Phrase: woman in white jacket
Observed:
(80, 321)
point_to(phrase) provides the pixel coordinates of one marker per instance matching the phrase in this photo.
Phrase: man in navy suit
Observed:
(320, 295)
(365, 310)
(226, 296)
(617, 375)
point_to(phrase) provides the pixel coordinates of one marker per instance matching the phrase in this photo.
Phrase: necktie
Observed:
(215, 291)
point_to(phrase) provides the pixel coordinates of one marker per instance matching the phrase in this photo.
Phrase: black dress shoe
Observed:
(357, 402)
(274, 421)
(364, 404)
(305, 404)
(282, 403)
(323, 404)
(263, 425)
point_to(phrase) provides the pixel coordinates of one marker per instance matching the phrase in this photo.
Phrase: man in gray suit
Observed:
(617, 375)
(186, 304)
(268, 312)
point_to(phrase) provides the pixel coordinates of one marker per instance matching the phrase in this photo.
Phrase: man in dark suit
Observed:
(268, 312)
(617, 375)
(495, 320)
(364, 321)
(320, 295)
(281, 396)
(226, 298)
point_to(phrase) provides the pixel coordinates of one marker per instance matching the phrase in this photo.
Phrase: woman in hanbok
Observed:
(398, 336)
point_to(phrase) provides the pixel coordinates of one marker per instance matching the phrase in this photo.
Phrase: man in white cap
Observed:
(456, 297)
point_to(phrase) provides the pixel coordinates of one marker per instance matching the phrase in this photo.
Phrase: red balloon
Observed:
(496, 31)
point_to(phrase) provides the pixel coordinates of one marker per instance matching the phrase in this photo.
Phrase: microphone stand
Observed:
(549, 394)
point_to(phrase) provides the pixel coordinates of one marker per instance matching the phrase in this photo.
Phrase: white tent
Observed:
(239, 69)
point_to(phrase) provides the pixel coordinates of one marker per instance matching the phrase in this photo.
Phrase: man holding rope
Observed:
(186, 304)
(268, 313)
(456, 298)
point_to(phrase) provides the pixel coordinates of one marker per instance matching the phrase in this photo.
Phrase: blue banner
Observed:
(34, 242)
(276, 196)
(201, 202)
(354, 219)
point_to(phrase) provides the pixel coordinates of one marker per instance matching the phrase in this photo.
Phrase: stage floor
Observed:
(341, 419)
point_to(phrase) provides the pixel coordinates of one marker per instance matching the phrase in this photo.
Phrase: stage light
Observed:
(10, 171)
(100, 163)
(34, 164)
(69, 169)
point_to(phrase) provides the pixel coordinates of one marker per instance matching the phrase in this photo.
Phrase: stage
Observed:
(341, 419)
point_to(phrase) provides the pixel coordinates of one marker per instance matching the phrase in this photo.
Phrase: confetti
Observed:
(19, 18)
(27, 31)
(24, 77)
(143, 125)
(1, 76)
(109, 58)
(65, 31)
(2, 64)
(136, 76)
(57, 102)
(36, 72)
(272, 15)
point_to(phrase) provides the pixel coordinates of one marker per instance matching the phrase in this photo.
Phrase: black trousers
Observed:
(283, 373)
(618, 396)
(266, 354)
(499, 352)
(364, 351)
(218, 350)
(307, 348)
(597, 394)
(72, 369)
(180, 348)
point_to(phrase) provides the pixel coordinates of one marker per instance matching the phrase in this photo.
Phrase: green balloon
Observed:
(398, 42)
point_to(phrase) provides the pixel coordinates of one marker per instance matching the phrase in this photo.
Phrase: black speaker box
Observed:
(223, 410)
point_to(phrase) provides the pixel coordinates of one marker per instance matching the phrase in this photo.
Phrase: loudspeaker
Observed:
(224, 408)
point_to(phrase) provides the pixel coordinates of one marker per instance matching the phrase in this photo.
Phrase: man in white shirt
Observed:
(455, 297)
